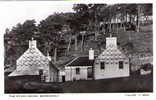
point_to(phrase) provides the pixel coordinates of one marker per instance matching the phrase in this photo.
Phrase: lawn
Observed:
(129, 84)
(134, 83)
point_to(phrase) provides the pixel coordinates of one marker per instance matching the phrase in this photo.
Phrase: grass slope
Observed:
(129, 84)
(117, 85)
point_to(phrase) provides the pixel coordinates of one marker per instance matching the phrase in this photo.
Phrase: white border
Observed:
(85, 96)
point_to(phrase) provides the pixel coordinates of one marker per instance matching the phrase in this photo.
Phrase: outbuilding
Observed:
(80, 68)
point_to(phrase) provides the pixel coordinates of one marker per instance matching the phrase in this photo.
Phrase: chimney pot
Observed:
(91, 54)
(32, 43)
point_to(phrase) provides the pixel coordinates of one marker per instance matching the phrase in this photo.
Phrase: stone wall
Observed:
(111, 70)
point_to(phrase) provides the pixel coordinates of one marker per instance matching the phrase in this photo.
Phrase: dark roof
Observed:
(81, 61)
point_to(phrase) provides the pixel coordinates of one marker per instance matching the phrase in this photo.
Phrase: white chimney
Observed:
(91, 54)
(32, 43)
(111, 42)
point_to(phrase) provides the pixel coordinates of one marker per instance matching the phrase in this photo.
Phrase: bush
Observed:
(147, 67)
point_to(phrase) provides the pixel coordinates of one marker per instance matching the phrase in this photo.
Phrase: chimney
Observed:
(32, 43)
(91, 54)
(111, 42)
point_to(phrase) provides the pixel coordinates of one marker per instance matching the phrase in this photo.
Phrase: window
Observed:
(120, 64)
(63, 78)
(102, 65)
(40, 71)
(77, 70)
(90, 72)
(42, 77)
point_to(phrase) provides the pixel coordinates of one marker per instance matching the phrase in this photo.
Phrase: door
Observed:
(42, 77)
(90, 73)
(63, 78)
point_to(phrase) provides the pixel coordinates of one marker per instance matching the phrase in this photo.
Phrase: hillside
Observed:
(130, 42)
(142, 41)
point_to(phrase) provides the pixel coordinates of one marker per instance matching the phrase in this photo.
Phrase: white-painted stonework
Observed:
(111, 57)
(71, 73)
(32, 62)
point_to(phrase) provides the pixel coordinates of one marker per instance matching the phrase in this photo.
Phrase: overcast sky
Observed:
(12, 13)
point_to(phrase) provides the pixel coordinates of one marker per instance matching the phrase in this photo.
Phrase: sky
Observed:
(12, 13)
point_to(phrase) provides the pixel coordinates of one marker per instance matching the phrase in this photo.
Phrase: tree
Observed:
(50, 31)
(26, 30)
(75, 25)
(21, 33)
(16, 40)
(90, 14)
(147, 11)
(83, 33)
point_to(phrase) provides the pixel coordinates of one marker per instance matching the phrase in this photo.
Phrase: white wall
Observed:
(111, 70)
(61, 73)
(70, 73)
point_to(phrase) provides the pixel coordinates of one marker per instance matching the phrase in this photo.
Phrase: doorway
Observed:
(63, 78)
(90, 73)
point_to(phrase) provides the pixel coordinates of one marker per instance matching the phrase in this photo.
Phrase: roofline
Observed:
(74, 60)
(37, 51)
(78, 66)
(71, 61)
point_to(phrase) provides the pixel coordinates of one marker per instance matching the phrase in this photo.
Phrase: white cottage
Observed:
(111, 63)
(34, 63)
(80, 68)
